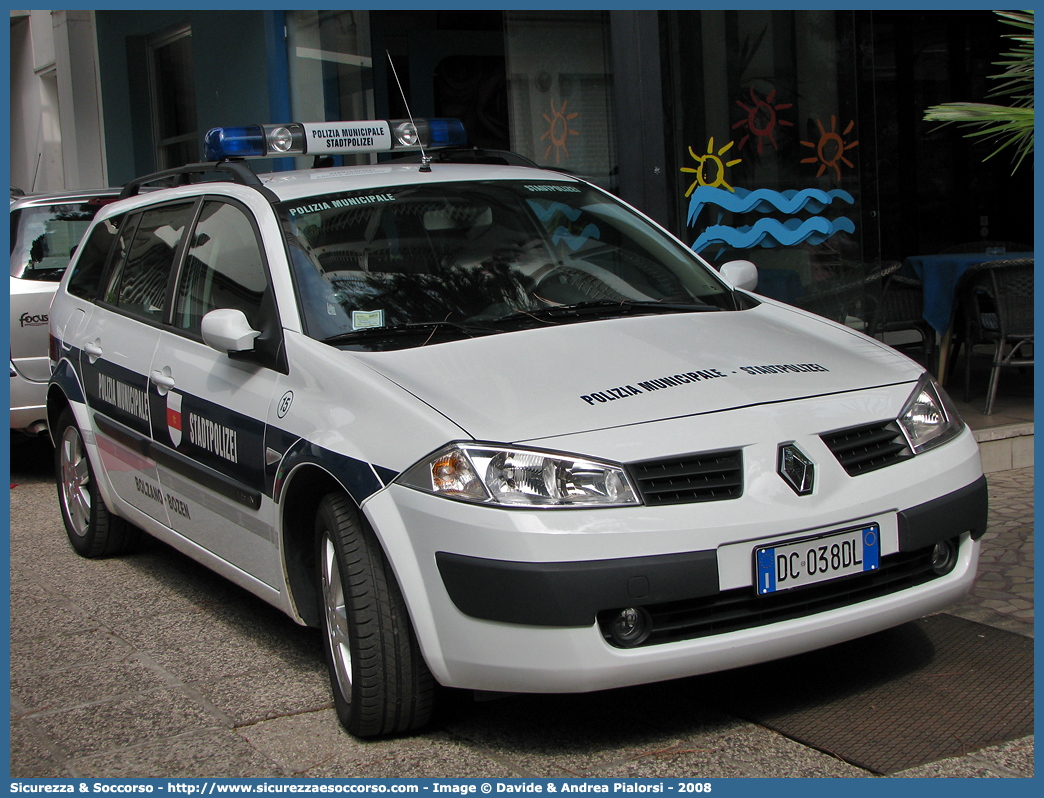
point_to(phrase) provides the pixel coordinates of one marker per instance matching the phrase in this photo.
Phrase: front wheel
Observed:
(93, 531)
(380, 682)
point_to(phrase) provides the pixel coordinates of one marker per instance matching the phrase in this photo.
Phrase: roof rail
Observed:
(236, 171)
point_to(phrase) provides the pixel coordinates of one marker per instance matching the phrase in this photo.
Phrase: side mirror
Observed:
(740, 274)
(228, 331)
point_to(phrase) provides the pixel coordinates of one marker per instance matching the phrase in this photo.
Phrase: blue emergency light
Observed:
(332, 138)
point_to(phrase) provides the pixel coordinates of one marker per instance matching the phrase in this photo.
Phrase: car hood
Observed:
(571, 378)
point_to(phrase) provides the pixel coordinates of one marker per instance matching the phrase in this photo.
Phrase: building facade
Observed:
(793, 138)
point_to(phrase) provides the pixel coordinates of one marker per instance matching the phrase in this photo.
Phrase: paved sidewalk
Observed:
(149, 665)
(1002, 597)
(1003, 591)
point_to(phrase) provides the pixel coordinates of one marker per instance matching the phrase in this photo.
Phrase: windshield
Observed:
(43, 238)
(421, 263)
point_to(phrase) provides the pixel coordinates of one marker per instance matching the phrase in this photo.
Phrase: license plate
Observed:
(813, 560)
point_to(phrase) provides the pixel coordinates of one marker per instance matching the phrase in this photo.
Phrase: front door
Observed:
(209, 428)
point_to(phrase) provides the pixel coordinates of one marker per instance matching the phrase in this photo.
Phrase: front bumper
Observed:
(508, 600)
(574, 593)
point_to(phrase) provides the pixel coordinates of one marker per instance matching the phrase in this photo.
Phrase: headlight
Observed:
(929, 417)
(519, 478)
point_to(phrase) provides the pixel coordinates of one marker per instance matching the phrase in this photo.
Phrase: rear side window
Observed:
(223, 268)
(43, 239)
(87, 274)
(139, 282)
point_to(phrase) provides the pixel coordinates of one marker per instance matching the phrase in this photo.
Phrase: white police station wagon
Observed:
(489, 427)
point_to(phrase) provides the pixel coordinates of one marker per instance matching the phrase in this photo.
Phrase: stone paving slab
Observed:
(150, 666)
(1002, 595)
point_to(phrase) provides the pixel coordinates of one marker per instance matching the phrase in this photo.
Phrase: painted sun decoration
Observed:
(762, 118)
(718, 167)
(558, 131)
(831, 148)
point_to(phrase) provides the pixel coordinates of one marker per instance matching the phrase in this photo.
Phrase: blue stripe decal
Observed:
(65, 378)
(386, 475)
(226, 443)
(118, 393)
(356, 476)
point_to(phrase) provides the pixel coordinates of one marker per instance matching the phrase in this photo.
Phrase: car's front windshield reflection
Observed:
(470, 254)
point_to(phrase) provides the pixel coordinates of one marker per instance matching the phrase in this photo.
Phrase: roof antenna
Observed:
(425, 159)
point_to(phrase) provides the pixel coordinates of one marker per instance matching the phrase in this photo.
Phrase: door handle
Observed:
(162, 380)
(93, 350)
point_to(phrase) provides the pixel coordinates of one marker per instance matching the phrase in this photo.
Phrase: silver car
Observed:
(45, 230)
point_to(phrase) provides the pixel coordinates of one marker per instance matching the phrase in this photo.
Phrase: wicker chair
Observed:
(901, 307)
(982, 246)
(996, 306)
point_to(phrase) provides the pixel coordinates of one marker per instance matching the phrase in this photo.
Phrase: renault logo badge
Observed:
(796, 469)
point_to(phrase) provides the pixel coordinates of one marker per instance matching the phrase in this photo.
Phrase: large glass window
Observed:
(173, 98)
(331, 70)
(560, 91)
(768, 144)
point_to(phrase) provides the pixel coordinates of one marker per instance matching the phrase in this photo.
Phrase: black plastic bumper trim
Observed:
(943, 518)
(572, 593)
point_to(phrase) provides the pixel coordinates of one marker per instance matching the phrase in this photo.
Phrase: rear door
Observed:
(117, 349)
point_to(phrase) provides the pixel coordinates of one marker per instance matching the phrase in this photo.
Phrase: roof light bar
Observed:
(330, 138)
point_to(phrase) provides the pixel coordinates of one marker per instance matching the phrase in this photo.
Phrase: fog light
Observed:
(630, 627)
(944, 556)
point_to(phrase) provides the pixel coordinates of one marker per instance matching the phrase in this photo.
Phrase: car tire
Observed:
(380, 682)
(93, 531)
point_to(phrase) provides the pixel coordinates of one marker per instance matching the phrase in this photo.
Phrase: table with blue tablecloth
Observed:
(940, 275)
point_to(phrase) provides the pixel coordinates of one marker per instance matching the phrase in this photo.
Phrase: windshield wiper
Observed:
(601, 308)
(430, 328)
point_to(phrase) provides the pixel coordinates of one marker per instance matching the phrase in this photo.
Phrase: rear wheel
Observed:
(380, 682)
(93, 531)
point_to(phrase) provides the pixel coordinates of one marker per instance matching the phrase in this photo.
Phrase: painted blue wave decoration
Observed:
(764, 200)
(773, 233)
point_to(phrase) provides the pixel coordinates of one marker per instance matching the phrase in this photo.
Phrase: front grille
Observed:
(689, 478)
(868, 448)
(733, 610)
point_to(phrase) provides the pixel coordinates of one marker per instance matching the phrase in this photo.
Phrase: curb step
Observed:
(1006, 447)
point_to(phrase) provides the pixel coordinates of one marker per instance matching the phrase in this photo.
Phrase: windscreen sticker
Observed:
(554, 187)
(342, 202)
(690, 377)
(365, 319)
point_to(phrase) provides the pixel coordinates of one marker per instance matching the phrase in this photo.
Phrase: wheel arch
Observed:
(303, 489)
(63, 390)
(57, 402)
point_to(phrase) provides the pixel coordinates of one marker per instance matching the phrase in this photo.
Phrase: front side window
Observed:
(479, 258)
(43, 239)
(223, 268)
(139, 283)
